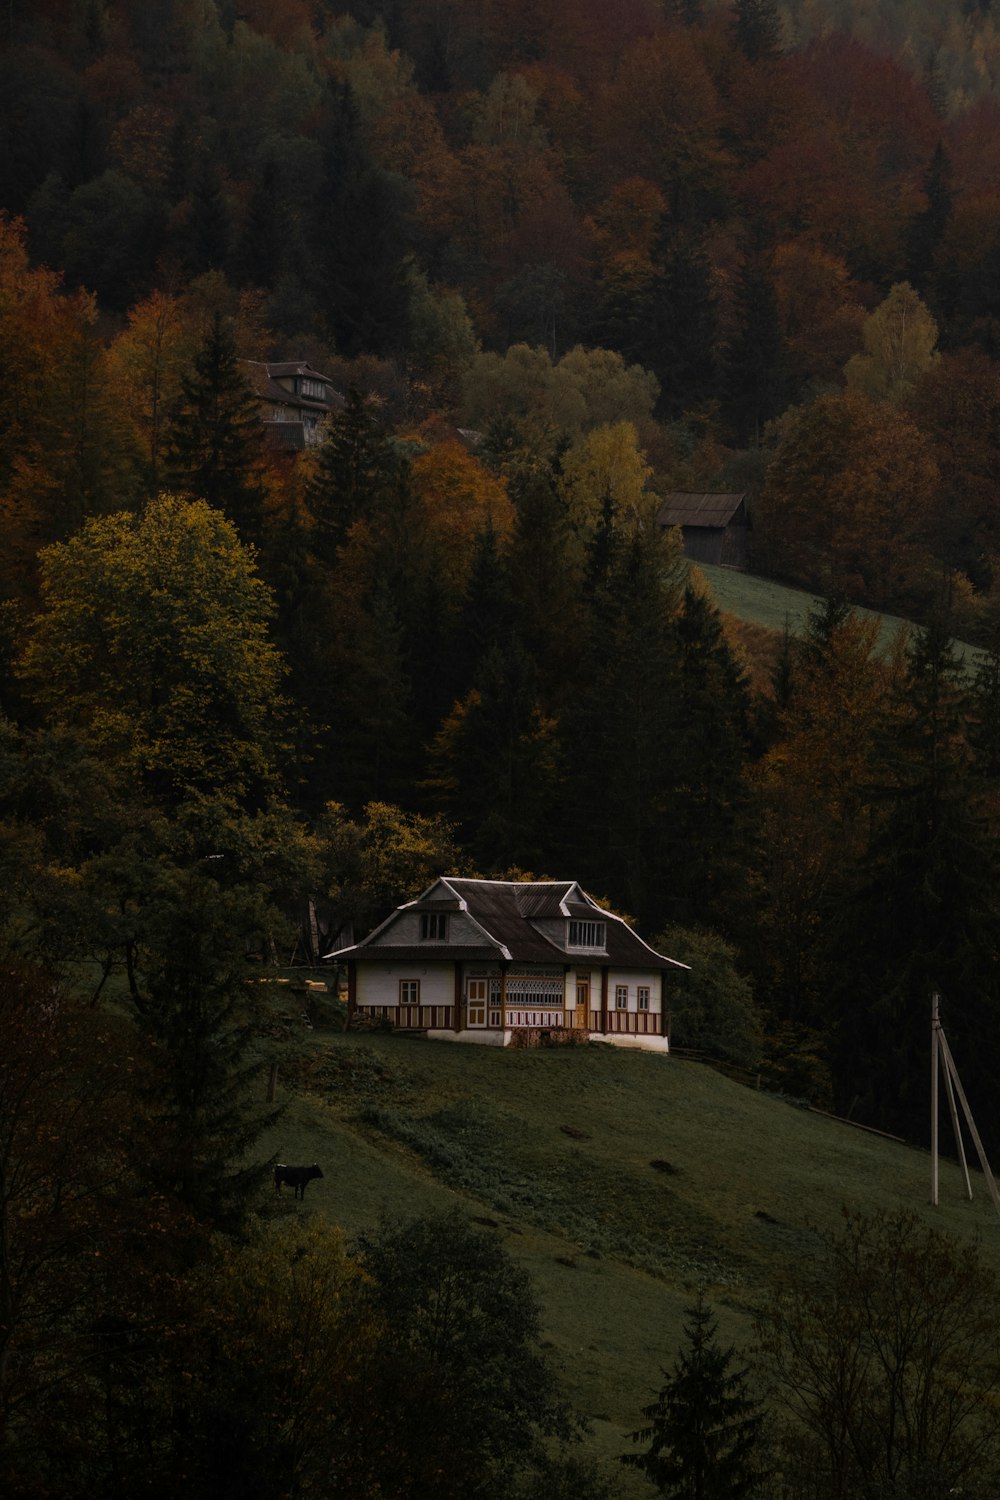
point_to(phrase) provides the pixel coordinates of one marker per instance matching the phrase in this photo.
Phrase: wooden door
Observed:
(582, 1018)
(478, 994)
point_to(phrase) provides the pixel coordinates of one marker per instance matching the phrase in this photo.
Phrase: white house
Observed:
(481, 960)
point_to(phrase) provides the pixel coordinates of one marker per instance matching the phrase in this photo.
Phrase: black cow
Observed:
(296, 1177)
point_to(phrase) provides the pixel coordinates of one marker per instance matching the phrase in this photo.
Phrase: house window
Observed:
(433, 927)
(643, 994)
(586, 934)
(409, 992)
(621, 997)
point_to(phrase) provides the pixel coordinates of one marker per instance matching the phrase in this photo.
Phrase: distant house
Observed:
(716, 528)
(491, 961)
(295, 400)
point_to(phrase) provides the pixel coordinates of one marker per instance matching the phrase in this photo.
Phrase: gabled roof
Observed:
(265, 379)
(507, 914)
(681, 508)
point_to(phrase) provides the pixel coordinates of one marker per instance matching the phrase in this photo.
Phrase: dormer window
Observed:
(433, 926)
(587, 934)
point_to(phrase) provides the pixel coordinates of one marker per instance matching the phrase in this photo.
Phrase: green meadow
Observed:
(620, 1181)
(778, 607)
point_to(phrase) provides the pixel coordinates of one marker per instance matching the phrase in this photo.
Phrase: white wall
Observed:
(378, 984)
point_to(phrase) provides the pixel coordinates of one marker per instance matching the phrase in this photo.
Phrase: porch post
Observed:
(352, 990)
(604, 999)
(457, 1018)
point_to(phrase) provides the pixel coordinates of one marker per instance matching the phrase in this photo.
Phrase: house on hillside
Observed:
(295, 401)
(716, 528)
(494, 961)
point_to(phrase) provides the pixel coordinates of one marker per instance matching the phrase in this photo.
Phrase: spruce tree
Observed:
(755, 375)
(757, 30)
(927, 229)
(706, 808)
(705, 1431)
(357, 465)
(920, 913)
(361, 240)
(215, 444)
(194, 1012)
(676, 333)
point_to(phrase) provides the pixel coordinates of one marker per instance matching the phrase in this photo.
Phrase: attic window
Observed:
(587, 934)
(433, 927)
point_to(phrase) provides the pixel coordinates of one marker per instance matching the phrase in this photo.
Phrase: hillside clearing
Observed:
(778, 607)
(556, 1149)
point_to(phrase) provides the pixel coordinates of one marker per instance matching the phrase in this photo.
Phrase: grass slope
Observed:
(621, 1181)
(777, 607)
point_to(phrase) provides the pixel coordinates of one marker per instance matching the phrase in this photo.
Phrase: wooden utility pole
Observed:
(942, 1059)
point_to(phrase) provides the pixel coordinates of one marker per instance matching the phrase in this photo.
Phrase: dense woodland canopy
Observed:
(561, 259)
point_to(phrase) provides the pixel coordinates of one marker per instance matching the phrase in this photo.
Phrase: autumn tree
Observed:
(459, 1364)
(145, 367)
(848, 500)
(153, 644)
(882, 1359)
(899, 338)
(374, 860)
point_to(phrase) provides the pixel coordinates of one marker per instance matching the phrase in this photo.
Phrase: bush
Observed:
(715, 1010)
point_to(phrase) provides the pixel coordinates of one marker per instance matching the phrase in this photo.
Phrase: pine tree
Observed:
(927, 228)
(194, 1012)
(755, 374)
(757, 30)
(357, 465)
(705, 1431)
(705, 812)
(920, 912)
(677, 333)
(215, 445)
(621, 720)
(361, 237)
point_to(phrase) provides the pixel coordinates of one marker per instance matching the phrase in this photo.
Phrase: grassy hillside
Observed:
(619, 1180)
(777, 607)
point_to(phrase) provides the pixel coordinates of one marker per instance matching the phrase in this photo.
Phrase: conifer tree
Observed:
(194, 1013)
(919, 913)
(705, 813)
(361, 239)
(927, 228)
(677, 332)
(757, 30)
(705, 1432)
(755, 376)
(215, 445)
(357, 464)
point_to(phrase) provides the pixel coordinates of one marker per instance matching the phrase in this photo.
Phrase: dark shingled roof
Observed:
(507, 911)
(683, 509)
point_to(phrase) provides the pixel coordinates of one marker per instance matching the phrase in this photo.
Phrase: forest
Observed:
(561, 260)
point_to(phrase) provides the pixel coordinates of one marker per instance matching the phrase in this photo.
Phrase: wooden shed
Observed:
(716, 528)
